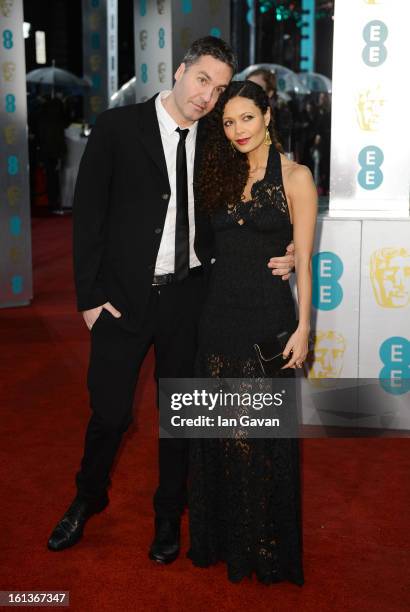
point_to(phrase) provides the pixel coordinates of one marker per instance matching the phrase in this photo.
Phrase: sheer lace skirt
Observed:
(244, 497)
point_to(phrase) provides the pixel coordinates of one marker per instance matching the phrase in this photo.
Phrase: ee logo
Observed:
(161, 38)
(10, 103)
(96, 80)
(144, 73)
(375, 34)
(250, 15)
(12, 165)
(327, 292)
(17, 284)
(370, 160)
(215, 32)
(15, 226)
(8, 39)
(395, 374)
(143, 8)
(95, 40)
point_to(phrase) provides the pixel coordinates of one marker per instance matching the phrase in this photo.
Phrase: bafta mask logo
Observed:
(214, 6)
(96, 104)
(13, 195)
(161, 7)
(9, 70)
(9, 132)
(6, 6)
(326, 354)
(15, 254)
(162, 69)
(95, 62)
(369, 109)
(373, 1)
(390, 277)
(95, 21)
(185, 37)
(143, 39)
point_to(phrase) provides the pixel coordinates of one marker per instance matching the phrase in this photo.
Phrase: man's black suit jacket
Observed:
(120, 203)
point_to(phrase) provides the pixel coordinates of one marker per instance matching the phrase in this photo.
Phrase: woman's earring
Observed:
(233, 147)
(268, 139)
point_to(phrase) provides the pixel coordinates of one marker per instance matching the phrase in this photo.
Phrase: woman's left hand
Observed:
(297, 347)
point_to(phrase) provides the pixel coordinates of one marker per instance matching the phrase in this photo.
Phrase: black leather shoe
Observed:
(69, 529)
(165, 547)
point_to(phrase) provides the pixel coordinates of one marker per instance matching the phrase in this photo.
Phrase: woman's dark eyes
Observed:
(226, 124)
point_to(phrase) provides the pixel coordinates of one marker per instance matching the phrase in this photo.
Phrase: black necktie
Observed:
(182, 221)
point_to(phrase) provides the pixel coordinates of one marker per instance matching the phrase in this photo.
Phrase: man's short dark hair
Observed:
(213, 46)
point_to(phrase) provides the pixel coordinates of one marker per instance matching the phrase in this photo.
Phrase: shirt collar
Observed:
(165, 119)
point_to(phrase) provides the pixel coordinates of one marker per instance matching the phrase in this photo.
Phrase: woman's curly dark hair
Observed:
(224, 171)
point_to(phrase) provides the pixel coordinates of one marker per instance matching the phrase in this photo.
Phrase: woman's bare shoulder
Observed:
(293, 173)
(294, 170)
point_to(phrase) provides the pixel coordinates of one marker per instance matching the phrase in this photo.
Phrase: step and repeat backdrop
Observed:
(358, 368)
(361, 262)
(163, 31)
(100, 54)
(15, 231)
(361, 266)
(370, 156)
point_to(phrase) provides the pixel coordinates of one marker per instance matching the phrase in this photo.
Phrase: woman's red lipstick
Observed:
(242, 141)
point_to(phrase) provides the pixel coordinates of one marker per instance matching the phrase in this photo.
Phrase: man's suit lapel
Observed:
(150, 135)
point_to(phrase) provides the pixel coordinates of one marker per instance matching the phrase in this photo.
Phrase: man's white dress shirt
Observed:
(166, 255)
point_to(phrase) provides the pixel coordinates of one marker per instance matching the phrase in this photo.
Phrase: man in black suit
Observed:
(142, 250)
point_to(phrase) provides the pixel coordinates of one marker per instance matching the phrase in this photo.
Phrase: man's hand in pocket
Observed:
(90, 316)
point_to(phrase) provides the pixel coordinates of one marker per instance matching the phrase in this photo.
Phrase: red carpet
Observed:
(356, 492)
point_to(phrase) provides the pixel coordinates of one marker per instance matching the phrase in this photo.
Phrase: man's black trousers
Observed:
(118, 348)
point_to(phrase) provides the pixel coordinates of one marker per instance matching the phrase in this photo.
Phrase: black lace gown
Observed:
(244, 494)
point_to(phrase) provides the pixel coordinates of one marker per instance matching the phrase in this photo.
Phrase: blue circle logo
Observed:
(10, 103)
(95, 40)
(395, 374)
(8, 39)
(250, 15)
(96, 80)
(12, 165)
(375, 34)
(17, 284)
(186, 6)
(15, 225)
(370, 159)
(327, 269)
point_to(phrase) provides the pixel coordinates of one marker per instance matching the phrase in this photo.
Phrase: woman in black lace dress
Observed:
(244, 496)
